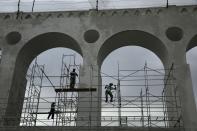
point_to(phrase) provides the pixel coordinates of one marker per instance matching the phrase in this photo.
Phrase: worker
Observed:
(108, 91)
(73, 75)
(52, 111)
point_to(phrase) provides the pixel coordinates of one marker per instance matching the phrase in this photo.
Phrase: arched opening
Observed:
(27, 54)
(191, 56)
(133, 37)
(48, 72)
(133, 74)
(134, 62)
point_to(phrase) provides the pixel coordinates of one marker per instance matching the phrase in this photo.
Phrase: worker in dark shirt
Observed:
(109, 92)
(52, 111)
(73, 75)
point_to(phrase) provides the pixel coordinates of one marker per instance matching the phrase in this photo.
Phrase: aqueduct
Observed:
(168, 32)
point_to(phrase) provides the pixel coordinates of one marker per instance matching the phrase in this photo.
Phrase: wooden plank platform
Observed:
(56, 112)
(75, 90)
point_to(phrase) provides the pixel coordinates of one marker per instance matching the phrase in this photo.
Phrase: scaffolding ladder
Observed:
(31, 101)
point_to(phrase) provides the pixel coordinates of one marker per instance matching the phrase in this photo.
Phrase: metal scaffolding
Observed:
(149, 104)
(67, 101)
(32, 96)
(153, 107)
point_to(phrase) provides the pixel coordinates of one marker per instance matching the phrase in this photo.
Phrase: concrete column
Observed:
(6, 76)
(89, 102)
(184, 87)
(12, 88)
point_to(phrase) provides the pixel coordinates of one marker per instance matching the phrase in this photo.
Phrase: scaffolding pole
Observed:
(119, 97)
(32, 98)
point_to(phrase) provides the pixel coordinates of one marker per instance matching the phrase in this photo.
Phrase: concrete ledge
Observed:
(181, 10)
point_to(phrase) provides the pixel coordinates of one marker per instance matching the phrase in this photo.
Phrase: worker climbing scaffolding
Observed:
(73, 75)
(108, 91)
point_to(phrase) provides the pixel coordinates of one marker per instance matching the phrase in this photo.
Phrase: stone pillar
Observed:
(184, 87)
(6, 76)
(12, 87)
(89, 107)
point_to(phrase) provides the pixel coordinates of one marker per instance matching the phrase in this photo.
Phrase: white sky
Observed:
(63, 5)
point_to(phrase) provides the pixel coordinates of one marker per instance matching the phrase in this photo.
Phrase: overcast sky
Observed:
(63, 5)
